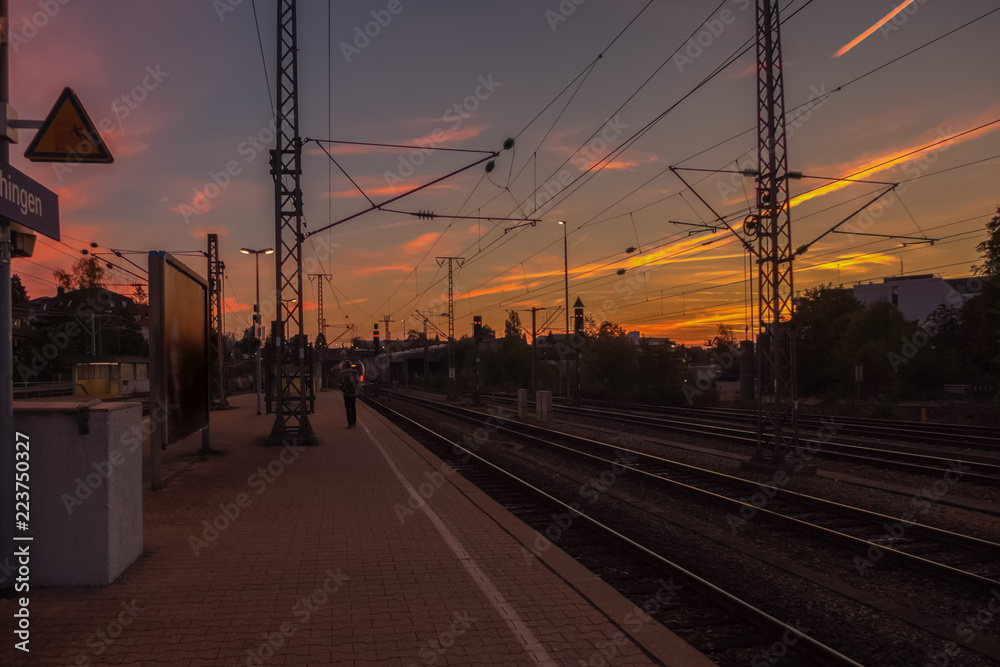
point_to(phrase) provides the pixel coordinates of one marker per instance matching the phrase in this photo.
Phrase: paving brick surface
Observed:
(312, 556)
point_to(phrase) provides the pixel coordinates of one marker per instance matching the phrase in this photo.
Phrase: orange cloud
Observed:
(372, 270)
(388, 191)
(496, 289)
(438, 137)
(199, 202)
(867, 33)
(203, 232)
(887, 161)
(618, 164)
(851, 260)
(416, 245)
(720, 314)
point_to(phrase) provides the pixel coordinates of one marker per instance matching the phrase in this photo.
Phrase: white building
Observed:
(919, 296)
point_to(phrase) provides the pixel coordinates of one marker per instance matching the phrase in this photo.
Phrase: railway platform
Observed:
(362, 550)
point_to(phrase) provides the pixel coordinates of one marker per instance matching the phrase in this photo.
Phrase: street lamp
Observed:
(257, 327)
(566, 285)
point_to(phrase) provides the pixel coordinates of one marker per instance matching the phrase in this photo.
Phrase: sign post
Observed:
(67, 135)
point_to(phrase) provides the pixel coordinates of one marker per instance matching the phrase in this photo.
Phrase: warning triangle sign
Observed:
(68, 135)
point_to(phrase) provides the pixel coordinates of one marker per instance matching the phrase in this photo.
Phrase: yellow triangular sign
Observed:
(68, 135)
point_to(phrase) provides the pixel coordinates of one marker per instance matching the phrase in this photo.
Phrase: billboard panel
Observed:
(178, 300)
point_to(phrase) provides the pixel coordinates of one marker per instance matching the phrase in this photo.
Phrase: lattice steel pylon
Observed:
(217, 351)
(291, 420)
(777, 410)
(451, 315)
(320, 312)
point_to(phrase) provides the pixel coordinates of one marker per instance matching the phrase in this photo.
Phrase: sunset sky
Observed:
(187, 89)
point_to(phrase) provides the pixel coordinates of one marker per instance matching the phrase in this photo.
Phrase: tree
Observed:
(726, 335)
(989, 250)
(512, 327)
(18, 293)
(87, 272)
(139, 294)
(820, 323)
(610, 363)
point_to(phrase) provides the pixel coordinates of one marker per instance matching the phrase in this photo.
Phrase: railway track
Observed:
(875, 537)
(832, 445)
(970, 436)
(726, 629)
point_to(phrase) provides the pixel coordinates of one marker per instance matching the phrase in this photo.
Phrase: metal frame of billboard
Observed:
(163, 405)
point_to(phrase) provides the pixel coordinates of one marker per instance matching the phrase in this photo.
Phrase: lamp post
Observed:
(566, 285)
(256, 316)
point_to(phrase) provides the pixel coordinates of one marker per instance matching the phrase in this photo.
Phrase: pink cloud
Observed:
(416, 245)
(372, 270)
(439, 137)
(388, 191)
(203, 232)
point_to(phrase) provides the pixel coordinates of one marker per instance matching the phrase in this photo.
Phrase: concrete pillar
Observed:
(543, 405)
(522, 403)
(86, 489)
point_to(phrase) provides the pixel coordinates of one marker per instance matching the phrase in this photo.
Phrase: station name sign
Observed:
(28, 202)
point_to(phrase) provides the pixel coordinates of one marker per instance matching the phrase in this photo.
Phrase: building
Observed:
(919, 296)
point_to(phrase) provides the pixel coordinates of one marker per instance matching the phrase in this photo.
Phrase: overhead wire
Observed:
(812, 103)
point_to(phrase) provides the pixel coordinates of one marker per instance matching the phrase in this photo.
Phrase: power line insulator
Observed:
(426, 215)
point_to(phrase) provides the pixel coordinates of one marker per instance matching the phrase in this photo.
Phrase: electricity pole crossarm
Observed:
(375, 207)
(719, 218)
(833, 229)
(551, 317)
(699, 227)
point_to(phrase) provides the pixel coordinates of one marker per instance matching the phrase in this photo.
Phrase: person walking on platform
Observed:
(351, 387)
